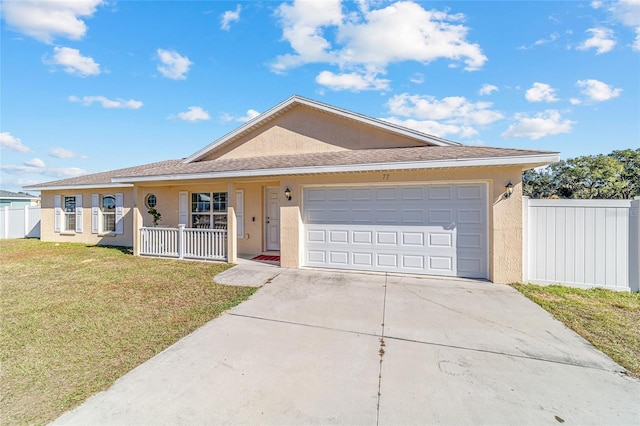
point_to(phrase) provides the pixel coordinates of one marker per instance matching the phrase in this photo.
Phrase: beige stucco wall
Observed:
(86, 237)
(305, 130)
(505, 215)
(168, 197)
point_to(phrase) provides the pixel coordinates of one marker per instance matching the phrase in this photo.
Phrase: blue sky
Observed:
(88, 86)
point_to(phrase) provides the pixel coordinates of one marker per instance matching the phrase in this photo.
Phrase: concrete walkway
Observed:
(343, 348)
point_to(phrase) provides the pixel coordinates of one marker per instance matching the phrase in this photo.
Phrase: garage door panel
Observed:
(413, 239)
(316, 236)
(441, 263)
(440, 239)
(412, 217)
(361, 259)
(339, 257)
(317, 257)
(386, 260)
(439, 192)
(338, 236)
(412, 193)
(386, 193)
(424, 229)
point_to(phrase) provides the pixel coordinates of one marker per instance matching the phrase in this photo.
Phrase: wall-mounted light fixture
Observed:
(508, 190)
(287, 193)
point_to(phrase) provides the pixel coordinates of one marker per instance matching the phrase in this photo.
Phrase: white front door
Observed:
(272, 219)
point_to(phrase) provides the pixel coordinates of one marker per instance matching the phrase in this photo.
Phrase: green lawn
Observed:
(75, 318)
(609, 320)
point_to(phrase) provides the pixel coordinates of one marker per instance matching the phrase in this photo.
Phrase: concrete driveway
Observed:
(315, 347)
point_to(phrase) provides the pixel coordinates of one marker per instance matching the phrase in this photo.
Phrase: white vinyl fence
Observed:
(582, 243)
(184, 243)
(20, 222)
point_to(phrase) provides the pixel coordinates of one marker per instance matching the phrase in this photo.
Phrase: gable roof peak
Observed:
(296, 100)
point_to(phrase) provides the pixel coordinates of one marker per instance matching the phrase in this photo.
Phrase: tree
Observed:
(630, 160)
(616, 175)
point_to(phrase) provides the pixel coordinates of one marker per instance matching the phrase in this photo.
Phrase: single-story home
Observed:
(319, 186)
(17, 199)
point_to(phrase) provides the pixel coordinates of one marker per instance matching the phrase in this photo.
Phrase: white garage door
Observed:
(420, 229)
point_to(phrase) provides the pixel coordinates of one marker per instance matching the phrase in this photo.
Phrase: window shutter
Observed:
(95, 213)
(240, 213)
(79, 213)
(119, 213)
(57, 206)
(184, 208)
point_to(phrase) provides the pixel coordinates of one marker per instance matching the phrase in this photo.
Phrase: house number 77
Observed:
(385, 177)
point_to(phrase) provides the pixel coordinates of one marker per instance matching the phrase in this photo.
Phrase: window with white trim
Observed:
(108, 207)
(209, 210)
(70, 213)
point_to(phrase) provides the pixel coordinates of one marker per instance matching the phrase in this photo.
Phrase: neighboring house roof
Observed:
(8, 195)
(299, 100)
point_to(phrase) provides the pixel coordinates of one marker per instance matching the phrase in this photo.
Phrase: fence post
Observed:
(6, 222)
(634, 245)
(525, 239)
(181, 241)
(26, 221)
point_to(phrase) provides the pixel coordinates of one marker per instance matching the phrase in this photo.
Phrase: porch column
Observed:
(290, 237)
(232, 237)
(137, 222)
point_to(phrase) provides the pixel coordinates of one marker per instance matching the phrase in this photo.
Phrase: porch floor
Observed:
(262, 258)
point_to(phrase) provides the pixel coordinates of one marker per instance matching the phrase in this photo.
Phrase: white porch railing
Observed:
(184, 243)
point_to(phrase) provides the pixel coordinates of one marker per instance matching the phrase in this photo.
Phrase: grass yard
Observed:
(609, 320)
(75, 318)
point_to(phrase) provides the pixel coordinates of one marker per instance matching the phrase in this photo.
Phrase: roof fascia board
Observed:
(369, 167)
(65, 187)
(324, 107)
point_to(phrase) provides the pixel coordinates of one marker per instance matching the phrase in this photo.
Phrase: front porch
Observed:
(184, 243)
(197, 244)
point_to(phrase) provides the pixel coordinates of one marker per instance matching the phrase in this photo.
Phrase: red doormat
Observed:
(268, 258)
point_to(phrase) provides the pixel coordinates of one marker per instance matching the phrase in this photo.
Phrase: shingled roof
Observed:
(313, 163)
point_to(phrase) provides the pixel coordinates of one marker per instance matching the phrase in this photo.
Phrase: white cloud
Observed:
(538, 126)
(597, 90)
(228, 17)
(173, 65)
(487, 89)
(193, 113)
(418, 78)
(250, 115)
(35, 162)
(74, 63)
(368, 40)
(552, 37)
(7, 140)
(575, 101)
(107, 103)
(44, 20)
(453, 115)
(351, 81)
(541, 92)
(596, 4)
(45, 171)
(58, 152)
(455, 109)
(628, 13)
(434, 128)
(601, 39)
